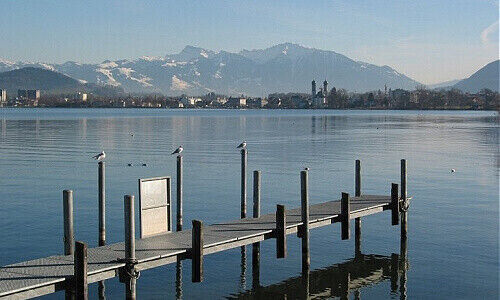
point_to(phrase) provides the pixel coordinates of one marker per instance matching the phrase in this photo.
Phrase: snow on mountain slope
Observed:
(281, 68)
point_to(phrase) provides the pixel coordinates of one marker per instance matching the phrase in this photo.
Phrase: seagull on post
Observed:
(243, 145)
(99, 157)
(178, 150)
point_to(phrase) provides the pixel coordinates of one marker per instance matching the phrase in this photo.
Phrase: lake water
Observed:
(453, 243)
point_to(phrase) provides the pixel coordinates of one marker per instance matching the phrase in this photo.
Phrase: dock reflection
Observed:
(338, 280)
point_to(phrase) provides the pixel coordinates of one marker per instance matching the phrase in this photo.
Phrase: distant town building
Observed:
(236, 102)
(81, 97)
(261, 102)
(28, 94)
(221, 100)
(189, 101)
(318, 99)
(3, 97)
(29, 97)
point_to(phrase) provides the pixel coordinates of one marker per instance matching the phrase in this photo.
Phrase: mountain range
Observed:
(486, 77)
(194, 71)
(281, 68)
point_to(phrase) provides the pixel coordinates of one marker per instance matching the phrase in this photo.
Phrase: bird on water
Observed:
(243, 145)
(178, 150)
(99, 157)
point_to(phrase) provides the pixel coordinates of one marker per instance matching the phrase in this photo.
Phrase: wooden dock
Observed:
(83, 265)
(47, 275)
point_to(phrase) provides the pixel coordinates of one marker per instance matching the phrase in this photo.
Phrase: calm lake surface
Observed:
(453, 245)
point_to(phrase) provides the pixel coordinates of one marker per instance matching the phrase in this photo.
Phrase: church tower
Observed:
(313, 88)
(325, 88)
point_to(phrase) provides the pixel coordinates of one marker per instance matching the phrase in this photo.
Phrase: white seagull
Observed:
(99, 157)
(243, 145)
(178, 150)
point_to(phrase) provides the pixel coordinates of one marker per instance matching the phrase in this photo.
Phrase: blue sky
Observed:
(428, 40)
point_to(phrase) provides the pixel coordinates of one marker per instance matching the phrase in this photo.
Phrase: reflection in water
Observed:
(243, 264)
(101, 289)
(255, 265)
(337, 280)
(178, 280)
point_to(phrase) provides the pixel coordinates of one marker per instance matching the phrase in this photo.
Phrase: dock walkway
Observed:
(50, 274)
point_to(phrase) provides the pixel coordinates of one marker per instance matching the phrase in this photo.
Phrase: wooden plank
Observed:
(280, 231)
(197, 251)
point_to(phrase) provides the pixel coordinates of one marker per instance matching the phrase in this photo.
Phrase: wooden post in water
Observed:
(178, 267)
(357, 221)
(130, 289)
(101, 179)
(69, 238)
(395, 204)
(197, 252)
(80, 271)
(102, 203)
(345, 211)
(304, 234)
(179, 192)
(404, 195)
(256, 246)
(280, 231)
(243, 183)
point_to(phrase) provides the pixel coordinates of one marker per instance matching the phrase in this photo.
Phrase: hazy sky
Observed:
(428, 40)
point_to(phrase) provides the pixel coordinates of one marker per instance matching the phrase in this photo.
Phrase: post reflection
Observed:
(178, 280)
(339, 280)
(243, 265)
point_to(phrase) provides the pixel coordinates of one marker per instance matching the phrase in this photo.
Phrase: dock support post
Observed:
(101, 178)
(256, 246)
(404, 214)
(197, 251)
(345, 211)
(243, 183)
(395, 203)
(304, 196)
(179, 193)
(357, 221)
(69, 238)
(130, 289)
(102, 203)
(280, 231)
(80, 271)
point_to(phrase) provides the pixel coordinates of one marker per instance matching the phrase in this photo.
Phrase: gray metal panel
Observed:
(155, 213)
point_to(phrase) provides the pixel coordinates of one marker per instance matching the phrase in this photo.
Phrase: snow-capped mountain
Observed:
(281, 68)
